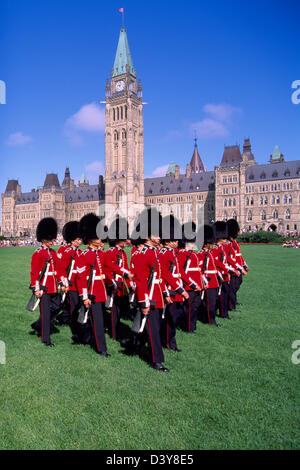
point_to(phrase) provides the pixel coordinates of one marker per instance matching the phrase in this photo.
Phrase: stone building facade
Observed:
(258, 196)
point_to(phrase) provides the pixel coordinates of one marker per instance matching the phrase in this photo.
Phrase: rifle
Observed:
(69, 275)
(205, 262)
(84, 313)
(31, 306)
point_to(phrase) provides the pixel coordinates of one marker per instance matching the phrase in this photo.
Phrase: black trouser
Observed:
(49, 307)
(192, 308)
(174, 315)
(224, 300)
(208, 308)
(97, 319)
(233, 288)
(153, 329)
(81, 332)
(64, 317)
(120, 308)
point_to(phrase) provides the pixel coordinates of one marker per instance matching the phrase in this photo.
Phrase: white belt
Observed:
(211, 272)
(193, 269)
(118, 277)
(157, 281)
(176, 275)
(52, 273)
(98, 278)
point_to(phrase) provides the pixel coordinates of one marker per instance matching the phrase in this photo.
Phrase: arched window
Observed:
(263, 215)
(247, 201)
(121, 112)
(123, 134)
(266, 200)
(288, 214)
(249, 215)
(234, 215)
(275, 214)
(118, 114)
(114, 113)
(261, 200)
(125, 111)
(118, 195)
(116, 136)
(225, 202)
(273, 199)
(278, 200)
(234, 203)
(290, 199)
(252, 201)
(229, 202)
(225, 216)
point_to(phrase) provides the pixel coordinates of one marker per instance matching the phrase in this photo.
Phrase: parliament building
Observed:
(258, 196)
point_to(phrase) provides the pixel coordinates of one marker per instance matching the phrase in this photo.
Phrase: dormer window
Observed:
(287, 173)
(275, 174)
(251, 177)
(263, 176)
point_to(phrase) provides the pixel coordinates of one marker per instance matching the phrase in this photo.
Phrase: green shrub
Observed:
(261, 237)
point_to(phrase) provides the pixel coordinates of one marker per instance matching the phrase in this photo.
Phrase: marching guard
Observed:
(93, 272)
(119, 299)
(210, 273)
(151, 291)
(174, 277)
(189, 263)
(68, 259)
(44, 282)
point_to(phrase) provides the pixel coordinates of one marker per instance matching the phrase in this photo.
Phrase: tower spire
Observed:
(196, 162)
(123, 56)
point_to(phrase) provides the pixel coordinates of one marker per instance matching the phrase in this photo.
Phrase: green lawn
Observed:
(233, 387)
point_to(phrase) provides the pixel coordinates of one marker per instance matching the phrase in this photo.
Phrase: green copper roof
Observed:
(277, 153)
(123, 56)
(83, 179)
(171, 169)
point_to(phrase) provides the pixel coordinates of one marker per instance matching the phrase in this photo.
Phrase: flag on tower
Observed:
(121, 10)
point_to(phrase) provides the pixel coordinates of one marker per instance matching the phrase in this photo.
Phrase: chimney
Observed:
(188, 171)
(177, 172)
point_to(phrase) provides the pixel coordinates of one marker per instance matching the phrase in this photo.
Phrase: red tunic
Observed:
(102, 273)
(117, 256)
(219, 255)
(189, 263)
(66, 256)
(142, 263)
(238, 254)
(37, 264)
(173, 274)
(231, 259)
(208, 268)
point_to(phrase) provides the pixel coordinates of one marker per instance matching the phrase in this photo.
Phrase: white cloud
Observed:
(160, 171)
(209, 129)
(18, 138)
(221, 112)
(90, 118)
(93, 170)
(217, 122)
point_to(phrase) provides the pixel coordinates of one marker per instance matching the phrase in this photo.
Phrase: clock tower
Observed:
(124, 133)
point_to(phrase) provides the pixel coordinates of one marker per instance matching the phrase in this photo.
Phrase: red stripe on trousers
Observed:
(151, 340)
(95, 330)
(42, 331)
(207, 307)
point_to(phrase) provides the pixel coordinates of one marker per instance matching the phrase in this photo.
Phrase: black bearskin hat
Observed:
(88, 227)
(209, 236)
(171, 229)
(233, 228)
(221, 230)
(148, 224)
(46, 229)
(71, 231)
(118, 231)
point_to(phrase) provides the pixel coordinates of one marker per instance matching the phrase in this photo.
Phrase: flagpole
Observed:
(123, 19)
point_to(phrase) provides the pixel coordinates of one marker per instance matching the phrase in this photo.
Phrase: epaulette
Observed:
(38, 249)
(163, 251)
(68, 249)
(144, 249)
(85, 251)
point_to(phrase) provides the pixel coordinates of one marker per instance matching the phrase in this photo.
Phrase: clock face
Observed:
(120, 85)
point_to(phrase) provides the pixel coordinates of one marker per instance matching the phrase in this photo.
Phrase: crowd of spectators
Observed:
(27, 241)
(291, 244)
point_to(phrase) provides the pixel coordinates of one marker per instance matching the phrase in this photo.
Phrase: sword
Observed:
(31, 306)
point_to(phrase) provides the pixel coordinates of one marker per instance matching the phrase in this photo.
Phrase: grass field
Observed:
(233, 387)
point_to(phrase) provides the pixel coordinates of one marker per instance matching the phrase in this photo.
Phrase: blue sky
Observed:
(222, 68)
